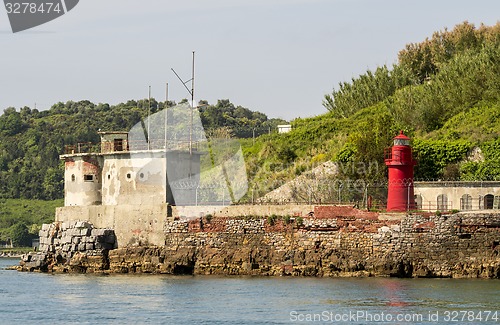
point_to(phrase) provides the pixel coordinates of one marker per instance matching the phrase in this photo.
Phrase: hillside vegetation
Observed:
(443, 92)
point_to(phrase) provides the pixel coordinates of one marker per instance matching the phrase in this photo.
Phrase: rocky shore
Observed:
(459, 246)
(10, 255)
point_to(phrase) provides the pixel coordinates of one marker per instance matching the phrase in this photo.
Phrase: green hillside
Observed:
(443, 92)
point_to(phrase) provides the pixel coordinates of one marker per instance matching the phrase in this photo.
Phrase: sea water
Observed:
(36, 298)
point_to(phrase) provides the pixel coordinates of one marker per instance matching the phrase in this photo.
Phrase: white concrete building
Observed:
(461, 195)
(127, 190)
(285, 128)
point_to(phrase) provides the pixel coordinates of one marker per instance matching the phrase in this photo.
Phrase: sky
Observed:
(279, 57)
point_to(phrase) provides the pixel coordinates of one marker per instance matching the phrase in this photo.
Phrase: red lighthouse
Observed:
(399, 161)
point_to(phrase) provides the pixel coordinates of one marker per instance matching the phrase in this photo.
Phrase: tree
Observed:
(19, 235)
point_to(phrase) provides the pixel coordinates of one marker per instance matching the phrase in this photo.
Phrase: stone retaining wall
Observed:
(342, 244)
(461, 245)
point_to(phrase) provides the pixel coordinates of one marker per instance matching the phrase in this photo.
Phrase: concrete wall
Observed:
(183, 172)
(144, 224)
(133, 180)
(192, 212)
(454, 191)
(78, 188)
(133, 224)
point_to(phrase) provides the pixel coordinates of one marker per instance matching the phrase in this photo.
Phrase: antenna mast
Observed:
(191, 92)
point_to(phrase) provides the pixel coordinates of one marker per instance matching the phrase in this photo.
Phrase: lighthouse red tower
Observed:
(399, 161)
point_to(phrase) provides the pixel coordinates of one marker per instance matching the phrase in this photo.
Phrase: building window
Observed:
(88, 178)
(442, 202)
(488, 201)
(466, 202)
(118, 145)
(418, 201)
(109, 176)
(129, 176)
(73, 178)
(496, 202)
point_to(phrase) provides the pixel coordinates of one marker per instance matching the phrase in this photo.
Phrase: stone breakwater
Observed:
(71, 247)
(461, 246)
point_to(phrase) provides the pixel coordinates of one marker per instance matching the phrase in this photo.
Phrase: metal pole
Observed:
(366, 196)
(192, 108)
(408, 199)
(149, 114)
(166, 115)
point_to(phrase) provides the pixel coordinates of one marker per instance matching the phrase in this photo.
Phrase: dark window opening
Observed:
(141, 175)
(73, 178)
(488, 201)
(109, 176)
(118, 145)
(88, 178)
(129, 175)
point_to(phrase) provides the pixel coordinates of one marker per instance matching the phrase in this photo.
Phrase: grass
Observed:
(32, 213)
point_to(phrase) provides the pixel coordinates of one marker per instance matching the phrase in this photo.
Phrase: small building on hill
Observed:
(285, 128)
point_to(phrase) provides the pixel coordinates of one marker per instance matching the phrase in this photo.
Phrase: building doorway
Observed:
(466, 202)
(488, 201)
(442, 202)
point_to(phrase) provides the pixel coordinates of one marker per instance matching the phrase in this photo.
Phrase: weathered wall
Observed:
(447, 246)
(342, 242)
(454, 191)
(77, 189)
(143, 224)
(190, 212)
(134, 178)
(133, 224)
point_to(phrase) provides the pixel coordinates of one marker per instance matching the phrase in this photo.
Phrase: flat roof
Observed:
(138, 152)
(457, 184)
(112, 132)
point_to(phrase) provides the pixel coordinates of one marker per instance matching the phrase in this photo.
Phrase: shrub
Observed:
(271, 220)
